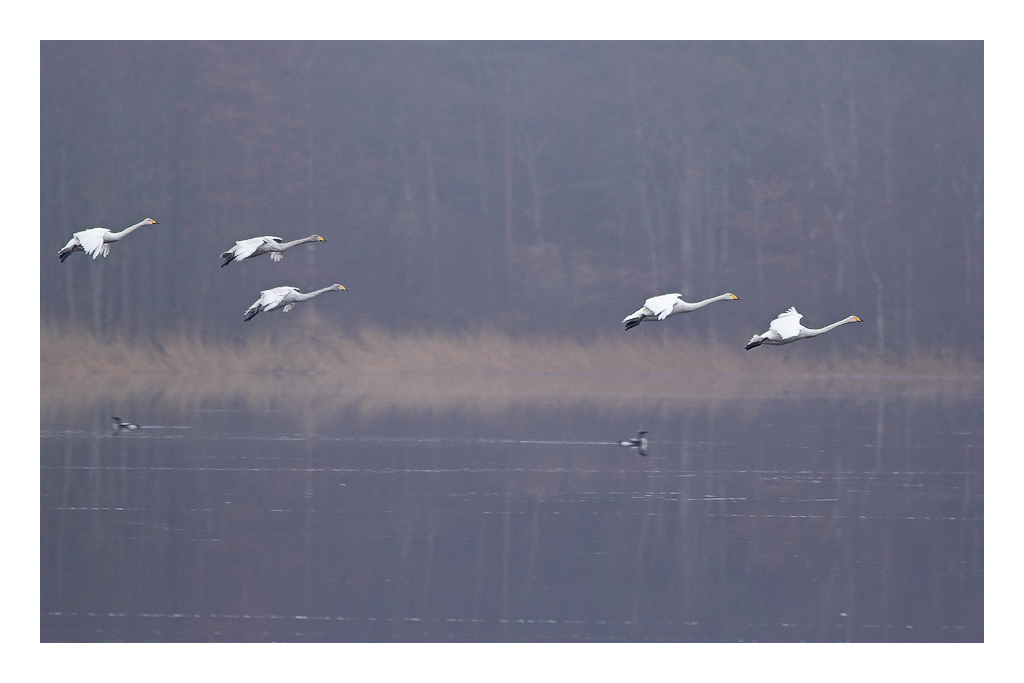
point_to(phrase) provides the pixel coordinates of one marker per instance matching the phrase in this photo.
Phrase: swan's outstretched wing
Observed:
(246, 248)
(243, 248)
(787, 324)
(272, 298)
(661, 306)
(92, 241)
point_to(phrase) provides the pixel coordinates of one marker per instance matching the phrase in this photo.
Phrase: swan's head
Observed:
(734, 297)
(855, 319)
(150, 221)
(338, 287)
(319, 238)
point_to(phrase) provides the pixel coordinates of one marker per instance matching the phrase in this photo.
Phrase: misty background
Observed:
(520, 187)
(495, 209)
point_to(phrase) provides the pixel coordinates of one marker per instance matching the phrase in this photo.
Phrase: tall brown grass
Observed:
(485, 368)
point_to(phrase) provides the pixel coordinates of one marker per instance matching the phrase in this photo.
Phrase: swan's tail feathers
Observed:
(68, 249)
(632, 321)
(635, 318)
(756, 340)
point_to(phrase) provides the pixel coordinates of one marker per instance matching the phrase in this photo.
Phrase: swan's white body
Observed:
(283, 298)
(268, 244)
(787, 328)
(639, 443)
(96, 241)
(661, 307)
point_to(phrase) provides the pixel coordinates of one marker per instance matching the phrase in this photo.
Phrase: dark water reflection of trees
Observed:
(833, 516)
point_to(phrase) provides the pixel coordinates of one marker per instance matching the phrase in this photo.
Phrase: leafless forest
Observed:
(519, 189)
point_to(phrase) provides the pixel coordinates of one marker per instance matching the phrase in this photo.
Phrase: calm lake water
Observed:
(837, 515)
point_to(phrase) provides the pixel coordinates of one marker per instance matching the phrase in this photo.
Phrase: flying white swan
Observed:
(787, 328)
(661, 307)
(639, 443)
(263, 245)
(96, 241)
(286, 297)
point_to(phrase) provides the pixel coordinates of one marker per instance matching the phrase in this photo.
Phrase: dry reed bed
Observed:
(481, 371)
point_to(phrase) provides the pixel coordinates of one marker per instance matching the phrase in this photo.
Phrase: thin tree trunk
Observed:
(879, 294)
(481, 155)
(647, 220)
(62, 194)
(509, 251)
(434, 215)
(759, 233)
(530, 153)
(684, 199)
(689, 219)
(839, 157)
(96, 296)
(127, 297)
(641, 183)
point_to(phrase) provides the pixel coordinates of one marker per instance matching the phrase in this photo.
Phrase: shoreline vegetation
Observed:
(481, 370)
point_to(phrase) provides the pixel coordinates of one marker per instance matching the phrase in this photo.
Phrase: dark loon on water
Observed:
(639, 443)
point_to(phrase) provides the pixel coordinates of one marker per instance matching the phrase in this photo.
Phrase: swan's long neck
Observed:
(306, 297)
(115, 236)
(700, 304)
(808, 332)
(289, 245)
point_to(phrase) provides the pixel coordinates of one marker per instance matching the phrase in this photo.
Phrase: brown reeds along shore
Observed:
(486, 371)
